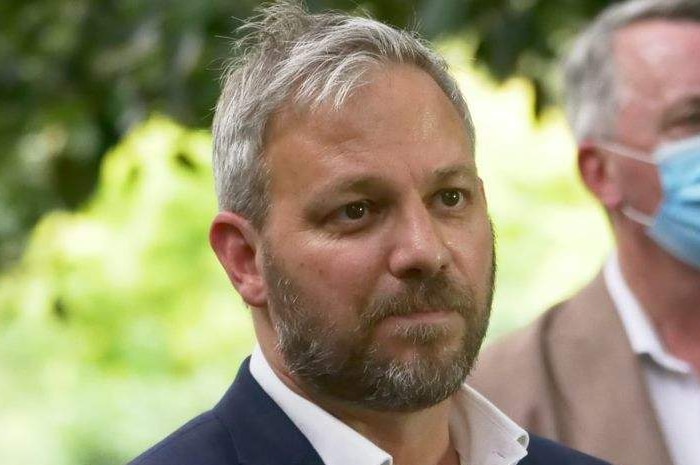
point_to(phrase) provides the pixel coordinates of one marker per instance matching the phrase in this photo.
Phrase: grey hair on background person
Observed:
(289, 56)
(590, 80)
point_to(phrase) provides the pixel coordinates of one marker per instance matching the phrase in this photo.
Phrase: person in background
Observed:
(614, 371)
(354, 225)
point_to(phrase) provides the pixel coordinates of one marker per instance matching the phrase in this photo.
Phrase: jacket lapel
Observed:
(261, 432)
(599, 388)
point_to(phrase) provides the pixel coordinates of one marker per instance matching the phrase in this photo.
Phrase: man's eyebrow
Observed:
(369, 182)
(467, 172)
(352, 184)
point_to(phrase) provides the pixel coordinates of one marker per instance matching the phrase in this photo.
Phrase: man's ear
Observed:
(598, 174)
(237, 244)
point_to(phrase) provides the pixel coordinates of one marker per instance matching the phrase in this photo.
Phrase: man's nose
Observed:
(419, 250)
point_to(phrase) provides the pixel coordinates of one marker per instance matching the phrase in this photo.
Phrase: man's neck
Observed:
(669, 292)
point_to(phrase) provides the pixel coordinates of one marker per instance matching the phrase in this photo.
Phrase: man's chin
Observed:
(407, 338)
(435, 352)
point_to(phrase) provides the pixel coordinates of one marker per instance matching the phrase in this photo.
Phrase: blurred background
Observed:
(116, 322)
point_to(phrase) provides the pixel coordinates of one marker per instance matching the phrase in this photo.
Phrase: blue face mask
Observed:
(675, 226)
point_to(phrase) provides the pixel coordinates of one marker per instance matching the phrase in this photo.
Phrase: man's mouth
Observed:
(424, 316)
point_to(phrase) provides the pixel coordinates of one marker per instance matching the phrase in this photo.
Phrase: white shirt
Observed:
(481, 433)
(673, 386)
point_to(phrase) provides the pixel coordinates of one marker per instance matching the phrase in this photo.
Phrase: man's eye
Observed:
(451, 197)
(355, 210)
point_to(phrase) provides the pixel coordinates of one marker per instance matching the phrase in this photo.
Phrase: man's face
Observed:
(378, 252)
(658, 90)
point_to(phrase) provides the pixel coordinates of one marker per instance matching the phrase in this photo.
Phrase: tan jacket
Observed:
(572, 376)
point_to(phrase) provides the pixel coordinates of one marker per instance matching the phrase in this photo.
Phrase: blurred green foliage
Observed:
(76, 75)
(117, 325)
(113, 309)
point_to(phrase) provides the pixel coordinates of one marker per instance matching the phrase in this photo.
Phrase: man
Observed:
(354, 226)
(614, 371)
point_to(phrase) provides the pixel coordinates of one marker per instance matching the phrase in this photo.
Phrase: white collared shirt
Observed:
(481, 434)
(673, 386)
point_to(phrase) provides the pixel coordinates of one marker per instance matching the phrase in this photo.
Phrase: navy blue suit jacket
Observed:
(247, 427)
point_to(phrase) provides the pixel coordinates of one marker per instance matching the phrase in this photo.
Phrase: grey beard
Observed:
(349, 367)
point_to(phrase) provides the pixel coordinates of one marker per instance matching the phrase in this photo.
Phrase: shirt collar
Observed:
(334, 441)
(640, 331)
(481, 433)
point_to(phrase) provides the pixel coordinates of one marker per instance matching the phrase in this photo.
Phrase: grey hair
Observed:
(288, 56)
(589, 71)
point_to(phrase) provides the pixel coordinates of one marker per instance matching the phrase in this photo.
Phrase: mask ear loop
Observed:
(637, 216)
(627, 210)
(627, 152)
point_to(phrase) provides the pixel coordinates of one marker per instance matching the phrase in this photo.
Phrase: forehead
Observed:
(657, 76)
(658, 58)
(400, 121)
